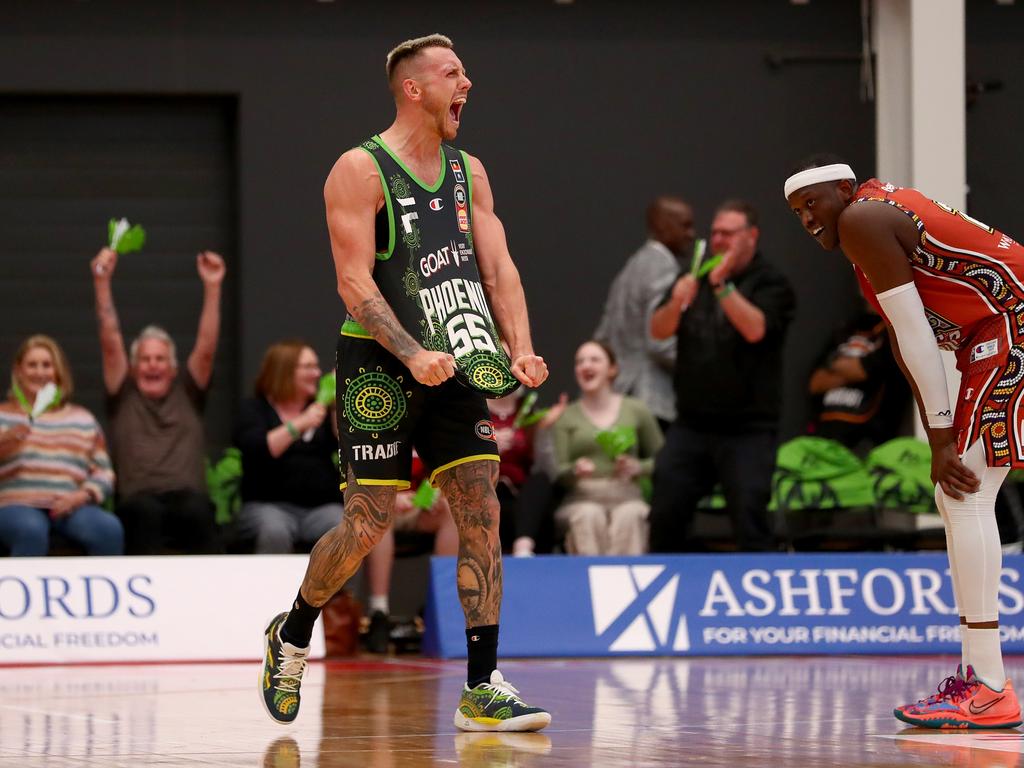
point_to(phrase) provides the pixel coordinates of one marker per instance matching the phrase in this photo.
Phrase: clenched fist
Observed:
(531, 370)
(431, 368)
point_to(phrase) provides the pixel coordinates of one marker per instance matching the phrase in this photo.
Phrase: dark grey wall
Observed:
(70, 163)
(581, 114)
(995, 163)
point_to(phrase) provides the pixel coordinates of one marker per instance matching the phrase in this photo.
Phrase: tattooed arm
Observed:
(115, 360)
(469, 489)
(353, 195)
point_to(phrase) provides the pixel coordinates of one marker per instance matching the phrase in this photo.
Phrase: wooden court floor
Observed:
(781, 713)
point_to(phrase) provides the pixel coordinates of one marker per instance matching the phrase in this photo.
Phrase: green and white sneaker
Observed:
(281, 676)
(496, 706)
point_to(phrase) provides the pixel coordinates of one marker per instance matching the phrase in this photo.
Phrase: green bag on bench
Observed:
(901, 469)
(816, 473)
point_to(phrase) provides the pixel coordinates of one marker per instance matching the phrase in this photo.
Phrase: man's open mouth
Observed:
(455, 110)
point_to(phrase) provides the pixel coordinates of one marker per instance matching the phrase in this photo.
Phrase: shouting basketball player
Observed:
(424, 270)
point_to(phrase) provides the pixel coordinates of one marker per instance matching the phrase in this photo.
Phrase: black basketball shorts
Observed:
(383, 413)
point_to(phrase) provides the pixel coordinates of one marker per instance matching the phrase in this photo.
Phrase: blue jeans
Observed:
(25, 531)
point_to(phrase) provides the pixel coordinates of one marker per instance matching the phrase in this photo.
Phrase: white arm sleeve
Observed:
(905, 311)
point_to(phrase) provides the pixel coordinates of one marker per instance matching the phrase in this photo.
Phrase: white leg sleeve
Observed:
(954, 578)
(973, 540)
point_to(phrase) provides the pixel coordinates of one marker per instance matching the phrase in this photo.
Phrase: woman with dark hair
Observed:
(290, 487)
(54, 468)
(604, 442)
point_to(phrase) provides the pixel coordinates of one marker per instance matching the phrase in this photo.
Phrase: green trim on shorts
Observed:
(399, 484)
(352, 328)
(463, 460)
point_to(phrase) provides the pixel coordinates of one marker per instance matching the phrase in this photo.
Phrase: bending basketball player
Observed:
(421, 260)
(943, 279)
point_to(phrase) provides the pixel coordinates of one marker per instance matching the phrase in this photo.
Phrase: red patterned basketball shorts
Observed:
(990, 406)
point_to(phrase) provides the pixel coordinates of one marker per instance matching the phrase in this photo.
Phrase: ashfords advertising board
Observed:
(90, 609)
(723, 604)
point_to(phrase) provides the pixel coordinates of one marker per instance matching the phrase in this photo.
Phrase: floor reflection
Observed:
(735, 712)
(283, 753)
(489, 750)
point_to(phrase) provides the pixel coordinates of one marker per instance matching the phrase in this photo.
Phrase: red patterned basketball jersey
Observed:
(971, 281)
(965, 271)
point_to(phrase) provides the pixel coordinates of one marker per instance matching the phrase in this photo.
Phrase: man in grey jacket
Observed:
(646, 364)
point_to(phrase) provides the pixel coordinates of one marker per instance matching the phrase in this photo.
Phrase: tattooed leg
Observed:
(339, 552)
(469, 489)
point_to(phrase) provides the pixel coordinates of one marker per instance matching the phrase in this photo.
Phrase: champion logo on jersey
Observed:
(634, 607)
(984, 350)
(457, 170)
(436, 204)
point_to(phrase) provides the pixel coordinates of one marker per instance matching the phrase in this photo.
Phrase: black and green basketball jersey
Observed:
(426, 267)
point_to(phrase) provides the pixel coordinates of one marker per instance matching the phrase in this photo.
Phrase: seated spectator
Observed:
(516, 451)
(528, 501)
(860, 394)
(414, 513)
(604, 442)
(54, 468)
(290, 486)
(156, 420)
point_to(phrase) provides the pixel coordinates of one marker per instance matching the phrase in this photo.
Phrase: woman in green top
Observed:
(604, 443)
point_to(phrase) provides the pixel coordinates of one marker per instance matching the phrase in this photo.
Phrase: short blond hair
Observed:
(61, 369)
(406, 50)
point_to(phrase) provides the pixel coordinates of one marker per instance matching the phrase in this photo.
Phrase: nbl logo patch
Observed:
(485, 430)
(461, 209)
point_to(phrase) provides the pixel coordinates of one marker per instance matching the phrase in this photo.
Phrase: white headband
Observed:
(835, 172)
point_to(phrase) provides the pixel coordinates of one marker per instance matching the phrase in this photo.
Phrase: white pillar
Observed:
(920, 117)
(893, 116)
(938, 100)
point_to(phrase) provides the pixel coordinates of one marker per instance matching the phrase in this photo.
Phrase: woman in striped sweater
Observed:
(54, 468)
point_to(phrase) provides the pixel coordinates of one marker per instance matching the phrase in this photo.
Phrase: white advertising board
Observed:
(131, 609)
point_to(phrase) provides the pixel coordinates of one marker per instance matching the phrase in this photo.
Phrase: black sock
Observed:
(482, 648)
(298, 627)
